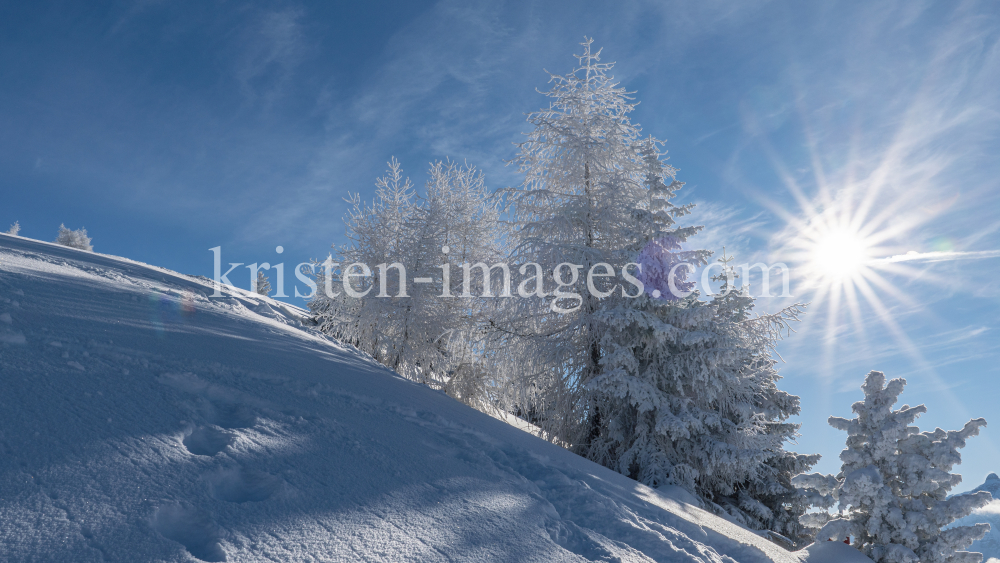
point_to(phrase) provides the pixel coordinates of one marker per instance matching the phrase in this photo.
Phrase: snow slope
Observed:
(833, 552)
(142, 419)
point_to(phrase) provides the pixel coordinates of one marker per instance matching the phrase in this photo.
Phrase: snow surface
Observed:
(832, 552)
(142, 419)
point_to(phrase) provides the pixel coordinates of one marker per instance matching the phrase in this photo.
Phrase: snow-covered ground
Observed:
(142, 419)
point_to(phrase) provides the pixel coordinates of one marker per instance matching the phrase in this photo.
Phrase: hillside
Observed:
(142, 419)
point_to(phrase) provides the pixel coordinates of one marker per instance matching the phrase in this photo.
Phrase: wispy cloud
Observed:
(914, 256)
(269, 50)
(727, 226)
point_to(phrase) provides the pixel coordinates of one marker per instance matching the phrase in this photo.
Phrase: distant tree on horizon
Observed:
(74, 239)
(261, 285)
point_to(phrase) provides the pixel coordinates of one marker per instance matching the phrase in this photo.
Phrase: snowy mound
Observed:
(144, 419)
(991, 485)
(989, 546)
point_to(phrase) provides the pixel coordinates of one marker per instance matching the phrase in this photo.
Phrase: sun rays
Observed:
(855, 250)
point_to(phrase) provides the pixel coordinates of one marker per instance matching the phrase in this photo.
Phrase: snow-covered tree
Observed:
(667, 390)
(584, 201)
(894, 482)
(690, 395)
(755, 338)
(379, 233)
(425, 331)
(261, 285)
(74, 239)
(14, 229)
(459, 214)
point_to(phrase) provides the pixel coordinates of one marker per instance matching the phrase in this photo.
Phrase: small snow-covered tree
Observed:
(74, 239)
(429, 331)
(379, 233)
(894, 482)
(261, 285)
(14, 229)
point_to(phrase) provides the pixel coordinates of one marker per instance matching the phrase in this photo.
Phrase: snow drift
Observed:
(145, 420)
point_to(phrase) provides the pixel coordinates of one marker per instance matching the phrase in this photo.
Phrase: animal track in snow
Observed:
(208, 441)
(190, 527)
(219, 405)
(242, 485)
(231, 415)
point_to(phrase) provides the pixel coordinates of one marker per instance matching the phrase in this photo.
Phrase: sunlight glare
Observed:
(839, 254)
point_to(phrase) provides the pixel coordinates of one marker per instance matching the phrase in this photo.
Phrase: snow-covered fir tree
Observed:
(690, 395)
(74, 239)
(668, 390)
(261, 285)
(894, 482)
(754, 337)
(14, 229)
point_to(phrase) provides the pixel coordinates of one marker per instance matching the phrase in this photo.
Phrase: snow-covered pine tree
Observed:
(585, 202)
(781, 504)
(74, 239)
(261, 285)
(14, 229)
(669, 390)
(691, 399)
(894, 482)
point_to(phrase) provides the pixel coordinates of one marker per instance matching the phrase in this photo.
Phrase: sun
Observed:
(842, 248)
(838, 254)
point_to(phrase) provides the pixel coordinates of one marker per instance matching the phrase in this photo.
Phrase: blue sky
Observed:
(168, 128)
